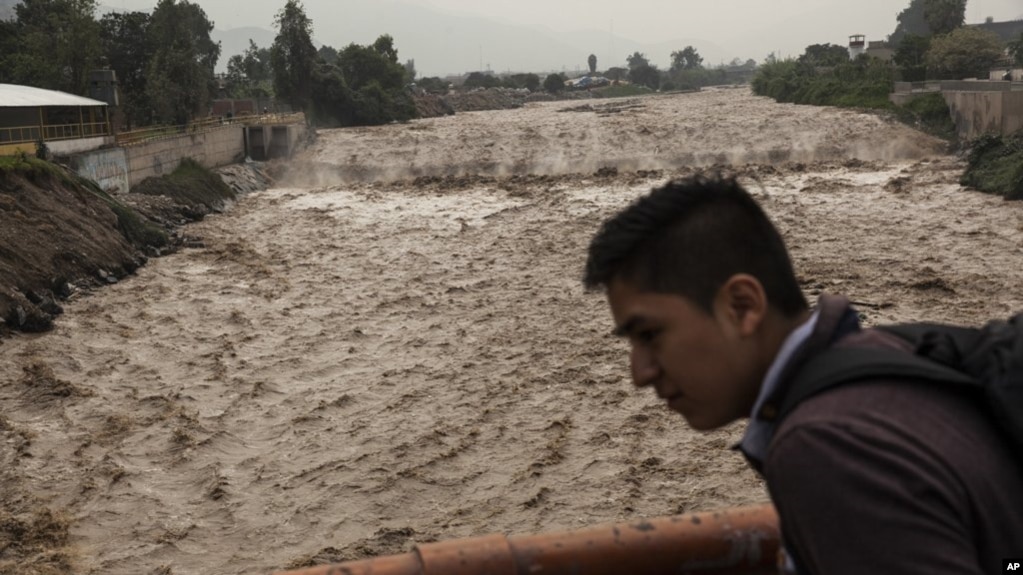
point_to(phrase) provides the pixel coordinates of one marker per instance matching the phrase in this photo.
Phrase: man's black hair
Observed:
(687, 238)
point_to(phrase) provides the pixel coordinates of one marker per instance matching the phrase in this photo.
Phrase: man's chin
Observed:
(701, 422)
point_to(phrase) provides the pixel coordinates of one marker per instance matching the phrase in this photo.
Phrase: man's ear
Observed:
(742, 302)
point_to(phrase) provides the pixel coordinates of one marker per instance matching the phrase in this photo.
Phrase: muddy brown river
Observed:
(359, 360)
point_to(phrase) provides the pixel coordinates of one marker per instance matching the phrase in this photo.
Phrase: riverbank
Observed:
(63, 235)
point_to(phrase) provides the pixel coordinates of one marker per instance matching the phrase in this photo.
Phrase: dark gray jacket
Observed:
(891, 477)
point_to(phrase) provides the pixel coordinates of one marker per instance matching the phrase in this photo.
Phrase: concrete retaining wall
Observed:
(108, 168)
(979, 113)
(1012, 112)
(118, 169)
(78, 145)
(212, 149)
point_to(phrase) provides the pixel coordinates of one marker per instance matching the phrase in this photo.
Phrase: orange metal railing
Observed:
(741, 541)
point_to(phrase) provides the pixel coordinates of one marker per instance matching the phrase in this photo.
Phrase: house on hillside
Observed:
(66, 123)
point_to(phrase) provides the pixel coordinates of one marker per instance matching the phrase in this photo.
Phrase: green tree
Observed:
(824, 55)
(410, 70)
(361, 65)
(365, 87)
(963, 53)
(434, 85)
(58, 44)
(592, 62)
(480, 80)
(1016, 50)
(181, 81)
(912, 20)
(911, 57)
(328, 54)
(616, 73)
(293, 56)
(686, 59)
(530, 82)
(124, 37)
(249, 75)
(637, 60)
(10, 42)
(384, 45)
(944, 16)
(646, 75)
(554, 83)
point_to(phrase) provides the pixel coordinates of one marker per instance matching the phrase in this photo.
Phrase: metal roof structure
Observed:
(17, 96)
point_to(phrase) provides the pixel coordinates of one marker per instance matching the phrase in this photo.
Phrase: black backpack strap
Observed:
(839, 365)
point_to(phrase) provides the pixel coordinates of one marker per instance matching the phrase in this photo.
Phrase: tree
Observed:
(1016, 50)
(646, 75)
(911, 57)
(592, 61)
(328, 54)
(824, 55)
(686, 59)
(944, 16)
(912, 20)
(361, 65)
(554, 83)
(384, 46)
(410, 70)
(58, 44)
(964, 52)
(637, 60)
(124, 38)
(249, 75)
(293, 56)
(180, 81)
(616, 73)
(480, 80)
(9, 42)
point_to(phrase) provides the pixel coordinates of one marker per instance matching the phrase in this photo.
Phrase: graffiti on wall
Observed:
(108, 168)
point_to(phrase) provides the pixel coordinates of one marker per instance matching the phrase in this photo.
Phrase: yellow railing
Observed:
(50, 132)
(205, 125)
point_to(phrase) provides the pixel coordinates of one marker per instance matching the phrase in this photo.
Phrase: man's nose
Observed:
(645, 370)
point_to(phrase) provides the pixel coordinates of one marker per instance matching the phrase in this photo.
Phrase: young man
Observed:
(880, 476)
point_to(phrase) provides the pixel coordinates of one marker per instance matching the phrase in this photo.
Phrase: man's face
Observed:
(698, 362)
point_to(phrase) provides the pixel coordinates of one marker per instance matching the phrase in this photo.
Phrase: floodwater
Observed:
(357, 361)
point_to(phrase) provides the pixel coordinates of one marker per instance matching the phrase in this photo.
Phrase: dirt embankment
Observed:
(61, 234)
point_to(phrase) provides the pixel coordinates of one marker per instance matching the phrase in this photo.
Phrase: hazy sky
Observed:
(727, 28)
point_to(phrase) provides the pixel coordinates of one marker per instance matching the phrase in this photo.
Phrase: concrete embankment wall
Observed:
(212, 149)
(979, 113)
(978, 107)
(118, 169)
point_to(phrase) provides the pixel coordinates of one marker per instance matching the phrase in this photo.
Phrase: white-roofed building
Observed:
(66, 123)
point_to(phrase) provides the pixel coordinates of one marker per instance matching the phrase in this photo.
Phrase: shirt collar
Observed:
(759, 432)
